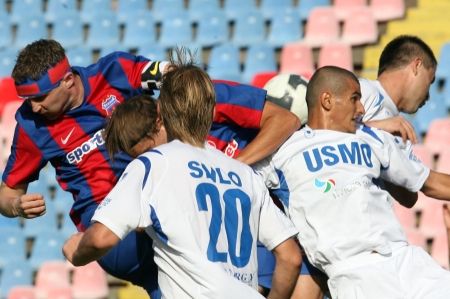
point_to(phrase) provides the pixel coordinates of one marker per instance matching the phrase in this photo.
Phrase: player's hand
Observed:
(30, 206)
(446, 212)
(396, 125)
(71, 245)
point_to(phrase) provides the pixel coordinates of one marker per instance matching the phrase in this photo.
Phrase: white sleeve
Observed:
(121, 211)
(370, 99)
(403, 168)
(274, 226)
(266, 169)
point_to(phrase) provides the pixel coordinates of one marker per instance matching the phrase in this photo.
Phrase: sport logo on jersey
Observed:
(325, 186)
(75, 156)
(109, 104)
(231, 148)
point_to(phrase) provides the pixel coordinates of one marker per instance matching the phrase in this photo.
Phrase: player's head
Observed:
(333, 96)
(43, 76)
(134, 127)
(187, 100)
(414, 56)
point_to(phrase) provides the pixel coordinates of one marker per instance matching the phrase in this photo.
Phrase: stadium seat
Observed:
(249, 29)
(131, 291)
(443, 68)
(7, 61)
(47, 246)
(269, 8)
(424, 155)
(162, 10)
(285, 27)
(432, 222)
(5, 28)
(22, 292)
(443, 162)
(176, 30)
(306, 6)
(7, 126)
(22, 9)
(80, 56)
(438, 136)
(127, 9)
(322, 27)
(12, 244)
(234, 8)
(337, 54)
(297, 58)
(89, 282)
(67, 227)
(91, 8)
(103, 31)
(33, 27)
(416, 237)
(198, 8)
(139, 31)
(7, 222)
(344, 8)
(430, 112)
(13, 275)
(224, 62)
(56, 8)
(406, 217)
(360, 27)
(260, 58)
(153, 52)
(212, 29)
(51, 275)
(439, 249)
(32, 228)
(385, 10)
(68, 29)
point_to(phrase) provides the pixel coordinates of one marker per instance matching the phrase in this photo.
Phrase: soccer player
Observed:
(204, 211)
(61, 122)
(346, 222)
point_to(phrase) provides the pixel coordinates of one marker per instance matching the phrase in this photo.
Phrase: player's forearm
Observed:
(8, 201)
(437, 186)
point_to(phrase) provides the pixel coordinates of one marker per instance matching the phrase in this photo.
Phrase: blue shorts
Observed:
(132, 260)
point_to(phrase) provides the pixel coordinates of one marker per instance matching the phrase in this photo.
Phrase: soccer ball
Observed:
(289, 91)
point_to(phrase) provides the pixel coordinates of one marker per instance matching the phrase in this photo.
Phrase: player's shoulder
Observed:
(372, 135)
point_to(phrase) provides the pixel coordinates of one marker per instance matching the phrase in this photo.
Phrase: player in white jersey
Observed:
(326, 175)
(205, 211)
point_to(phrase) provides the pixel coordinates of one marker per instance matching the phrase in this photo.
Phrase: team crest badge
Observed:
(109, 104)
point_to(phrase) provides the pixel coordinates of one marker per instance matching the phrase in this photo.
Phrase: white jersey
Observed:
(377, 103)
(205, 212)
(327, 181)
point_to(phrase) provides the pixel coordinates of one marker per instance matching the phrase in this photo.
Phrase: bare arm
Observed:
(83, 248)
(14, 202)
(437, 186)
(277, 124)
(396, 125)
(287, 268)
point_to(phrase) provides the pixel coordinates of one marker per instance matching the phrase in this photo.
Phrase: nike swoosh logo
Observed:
(64, 140)
(155, 69)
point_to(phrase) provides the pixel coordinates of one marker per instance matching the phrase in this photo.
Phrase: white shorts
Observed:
(408, 273)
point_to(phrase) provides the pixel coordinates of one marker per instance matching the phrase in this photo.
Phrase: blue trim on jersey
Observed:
(155, 151)
(380, 99)
(157, 226)
(282, 192)
(148, 165)
(369, 131)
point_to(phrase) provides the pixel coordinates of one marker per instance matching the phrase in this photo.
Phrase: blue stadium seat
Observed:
(126, 9)
(285, 27)
(6, 222)
(305, 7)
(443, 68)
(68, 29)
(269, 8)
(139, 31)
(67, 227)
(197, 8)
(39, 186)
(91, 8)
(107, 50)
(162, 10)
(21, 9)
(153, 52)
(234, 8)
(224, 62)
(80, 56)
(12, 245)
(15, 274)
(7, 60)
(176, 30)
(5, 29)
(33, 27)
(249, 29)
(55, 8)
(62, 202)
(431, 111)
(212, 29)
(260, 58)
(47, 246)
(47, 222)
(103, 31)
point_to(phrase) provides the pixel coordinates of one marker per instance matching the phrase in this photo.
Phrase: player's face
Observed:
(348, 110)
(419, 91)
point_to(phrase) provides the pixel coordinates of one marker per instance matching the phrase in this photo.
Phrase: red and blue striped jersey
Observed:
(74, 145)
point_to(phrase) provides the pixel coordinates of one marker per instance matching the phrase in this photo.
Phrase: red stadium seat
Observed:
(443, 163)
(424, 154)
(432, 222)
(89, 282)
(51, 275)
(406, 217)
(297, 58)
(337, 54)
(385, 10)
(360, 27)
(416, 237)
(343, 8)
(439, 249)
(22, 292)
(438, 136)
(322, 27)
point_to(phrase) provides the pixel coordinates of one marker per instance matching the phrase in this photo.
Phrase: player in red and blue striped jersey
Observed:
(61, 122)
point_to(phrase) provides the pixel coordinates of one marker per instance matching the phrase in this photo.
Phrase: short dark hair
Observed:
(36, 58)
(402, 50)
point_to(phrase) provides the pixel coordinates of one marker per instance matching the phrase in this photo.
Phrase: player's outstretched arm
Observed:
(277, 124)
(83, 248)
(437, 186)
(14, 202)
(396, 125)
(287, 268)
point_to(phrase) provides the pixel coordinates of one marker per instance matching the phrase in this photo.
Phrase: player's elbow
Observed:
(288, 254)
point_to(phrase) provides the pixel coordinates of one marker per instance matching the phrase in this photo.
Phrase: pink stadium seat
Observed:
(343, 8)
(337, 54)
(322, 27)
(7, 126)
(424, 154)
(297, 58)
(443, 162)
(60, 293)
(22, 292)
(439, 250)
(432, 221)
(385, 10)
(89, 282)
(360, 27)
(416, 237)
(438, 136)
(406, 217)
(51, 275)
(260, 79)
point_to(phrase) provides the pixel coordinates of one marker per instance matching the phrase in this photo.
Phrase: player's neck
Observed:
(78, 95)
(393, 82)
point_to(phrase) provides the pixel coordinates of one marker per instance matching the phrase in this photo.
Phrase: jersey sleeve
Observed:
(24, 162)
(370, 99)
(122, 210)
(266, 170)
(239, 104)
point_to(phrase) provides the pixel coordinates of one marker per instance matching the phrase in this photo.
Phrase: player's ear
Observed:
(68, 80)
(416, 64)
(326, 100)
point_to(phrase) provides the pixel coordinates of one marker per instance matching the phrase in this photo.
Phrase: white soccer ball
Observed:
(289, 91)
